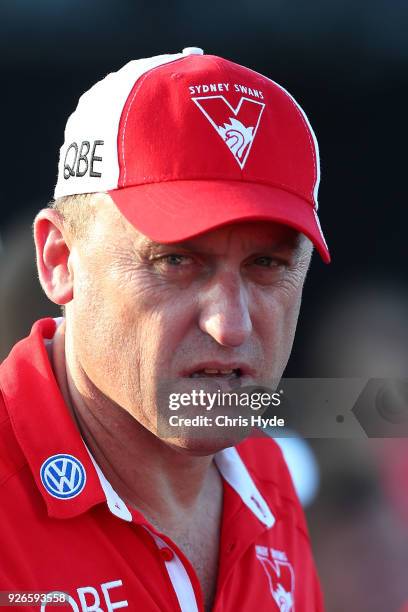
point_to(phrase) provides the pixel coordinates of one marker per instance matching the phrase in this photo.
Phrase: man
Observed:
(178, 244)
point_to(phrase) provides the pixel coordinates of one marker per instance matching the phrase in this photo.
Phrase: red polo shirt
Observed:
(63, 527)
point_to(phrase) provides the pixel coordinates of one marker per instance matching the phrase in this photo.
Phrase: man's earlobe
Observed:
(53, 251)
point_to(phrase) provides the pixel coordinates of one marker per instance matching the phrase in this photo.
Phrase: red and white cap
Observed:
(188, 142)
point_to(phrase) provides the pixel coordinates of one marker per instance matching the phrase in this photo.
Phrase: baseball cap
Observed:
(187, 142)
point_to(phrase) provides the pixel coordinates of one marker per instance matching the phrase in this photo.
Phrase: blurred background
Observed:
(347, 64)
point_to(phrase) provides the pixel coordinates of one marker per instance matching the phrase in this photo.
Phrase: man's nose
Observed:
(224, 311)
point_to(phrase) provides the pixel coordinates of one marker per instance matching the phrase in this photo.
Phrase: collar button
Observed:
(166, 554)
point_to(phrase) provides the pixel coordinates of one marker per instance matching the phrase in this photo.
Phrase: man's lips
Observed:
(218, 369)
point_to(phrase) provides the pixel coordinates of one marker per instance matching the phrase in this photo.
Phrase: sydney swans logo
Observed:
(280, 575)
(236, 126)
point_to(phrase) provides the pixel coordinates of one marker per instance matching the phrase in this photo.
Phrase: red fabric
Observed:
(77, 545)
(173, 159)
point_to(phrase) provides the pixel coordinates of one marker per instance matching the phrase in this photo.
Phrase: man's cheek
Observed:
(288, 328)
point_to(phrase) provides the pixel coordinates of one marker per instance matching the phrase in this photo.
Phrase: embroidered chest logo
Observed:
(63, 476)
(280, 575)
(236, 126)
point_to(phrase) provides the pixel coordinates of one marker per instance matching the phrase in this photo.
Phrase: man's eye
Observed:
(174, 259)
(268, 262)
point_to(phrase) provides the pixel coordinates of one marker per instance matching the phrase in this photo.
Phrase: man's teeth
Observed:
(214, 372)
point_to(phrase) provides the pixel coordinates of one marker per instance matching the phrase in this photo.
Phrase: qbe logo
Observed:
(63, 476)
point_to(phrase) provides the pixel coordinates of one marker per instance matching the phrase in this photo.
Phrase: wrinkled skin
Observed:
(141, 314)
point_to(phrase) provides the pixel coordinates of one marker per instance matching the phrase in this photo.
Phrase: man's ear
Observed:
(53, 250)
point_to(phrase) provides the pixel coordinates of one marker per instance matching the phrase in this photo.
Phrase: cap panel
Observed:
(163, 135)
(208, 118)
(89, 156)
(313, 142)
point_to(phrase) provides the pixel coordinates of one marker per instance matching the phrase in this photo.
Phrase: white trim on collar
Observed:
(115, 504)
(234, 471)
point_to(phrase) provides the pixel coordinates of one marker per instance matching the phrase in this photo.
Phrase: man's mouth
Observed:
(227, 374)
(239, 371)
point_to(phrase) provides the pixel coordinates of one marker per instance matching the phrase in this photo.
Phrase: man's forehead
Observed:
(248, 235)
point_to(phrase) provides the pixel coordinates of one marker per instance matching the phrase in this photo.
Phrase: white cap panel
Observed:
(88, 160)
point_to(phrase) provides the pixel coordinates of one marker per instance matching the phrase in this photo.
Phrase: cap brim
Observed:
(173, 211)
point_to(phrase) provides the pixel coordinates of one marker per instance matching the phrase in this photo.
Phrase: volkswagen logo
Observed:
(63, 476)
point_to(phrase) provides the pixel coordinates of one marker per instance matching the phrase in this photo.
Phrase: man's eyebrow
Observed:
(294, 242)
(145, 245)
(148, 246)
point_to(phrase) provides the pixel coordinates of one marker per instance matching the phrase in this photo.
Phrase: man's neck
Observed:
(163, 483)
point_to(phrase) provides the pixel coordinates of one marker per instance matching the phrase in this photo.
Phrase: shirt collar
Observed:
(45, 429)
(234, 471)
(53, 446)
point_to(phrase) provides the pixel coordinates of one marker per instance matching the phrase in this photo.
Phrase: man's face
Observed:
(148, 319)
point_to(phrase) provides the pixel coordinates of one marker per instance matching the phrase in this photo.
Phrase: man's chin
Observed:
(205, 444)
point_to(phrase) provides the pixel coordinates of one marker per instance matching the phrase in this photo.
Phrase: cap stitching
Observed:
(300, 113)
(310, 141)
(139, 83)
(257, 181)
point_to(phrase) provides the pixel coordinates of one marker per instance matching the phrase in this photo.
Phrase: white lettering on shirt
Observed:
(84, 594)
